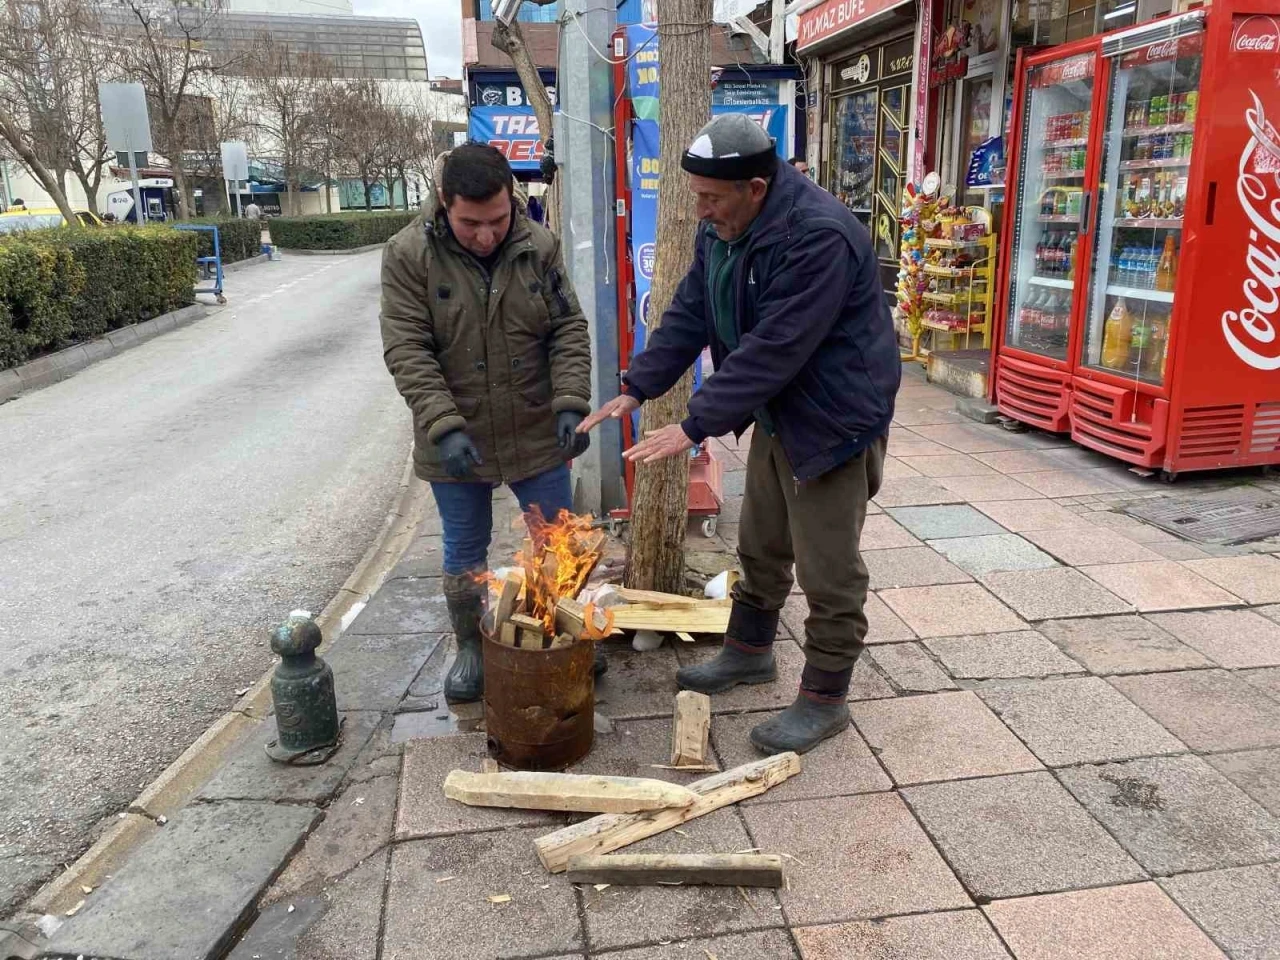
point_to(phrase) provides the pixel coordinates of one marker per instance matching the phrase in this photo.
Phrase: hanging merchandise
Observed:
(919, 216)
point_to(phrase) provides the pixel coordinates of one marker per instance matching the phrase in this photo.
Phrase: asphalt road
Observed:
(159, 513)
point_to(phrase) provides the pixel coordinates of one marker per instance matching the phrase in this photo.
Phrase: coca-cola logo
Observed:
(1163, 51)
(1250, 332)
(1256, 34)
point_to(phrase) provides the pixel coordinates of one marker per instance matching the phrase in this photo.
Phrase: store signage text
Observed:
(1256, 34)
(1077, 68)
(825, 21)
(901, 64)
(1251, 331)
(949, 63)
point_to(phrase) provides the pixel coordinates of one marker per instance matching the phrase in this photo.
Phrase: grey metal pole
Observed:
(585, 155)
(140, 217)
(239, 201)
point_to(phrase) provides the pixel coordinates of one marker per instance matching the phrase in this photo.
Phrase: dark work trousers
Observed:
(816, 525)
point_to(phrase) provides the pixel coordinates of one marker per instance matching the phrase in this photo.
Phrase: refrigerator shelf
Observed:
(1157, 223)
(955, 300)
(955, 272)
(1131, 132)
(955, 328)
(1061, 144)
(944, 244)
(1155, 164)
(1058, 283)
(1139, 293)
(1059, 218)
(1062, 175)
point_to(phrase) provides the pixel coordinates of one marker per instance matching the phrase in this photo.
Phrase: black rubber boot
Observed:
(801, 727)
(746, 657)
(602, 663)
(465, 596)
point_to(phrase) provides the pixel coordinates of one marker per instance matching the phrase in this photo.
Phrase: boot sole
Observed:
(725, 687)
(771, 750)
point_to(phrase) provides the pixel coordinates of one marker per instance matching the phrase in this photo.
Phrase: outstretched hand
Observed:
(659, 444)
(617, 408)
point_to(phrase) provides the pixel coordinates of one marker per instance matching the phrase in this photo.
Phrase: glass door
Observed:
(1052, 205)
(1152, 108)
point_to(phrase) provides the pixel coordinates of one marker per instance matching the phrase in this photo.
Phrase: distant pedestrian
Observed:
(253, 211)
(535, 210)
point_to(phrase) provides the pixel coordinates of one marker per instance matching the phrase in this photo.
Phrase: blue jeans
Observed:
(466, 513)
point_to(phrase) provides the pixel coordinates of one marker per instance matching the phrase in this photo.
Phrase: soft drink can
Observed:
(1190, 102)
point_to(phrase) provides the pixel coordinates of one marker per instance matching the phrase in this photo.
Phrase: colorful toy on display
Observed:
(919, 219)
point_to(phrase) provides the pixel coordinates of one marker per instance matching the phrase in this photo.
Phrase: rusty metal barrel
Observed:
(539, 705)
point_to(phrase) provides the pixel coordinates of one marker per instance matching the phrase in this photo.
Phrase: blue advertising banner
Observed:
(758, 100)
(511, 129)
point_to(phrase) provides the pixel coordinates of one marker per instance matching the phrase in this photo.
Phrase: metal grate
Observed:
(1239, 516)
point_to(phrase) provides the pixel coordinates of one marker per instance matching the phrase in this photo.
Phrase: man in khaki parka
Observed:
(484, 336)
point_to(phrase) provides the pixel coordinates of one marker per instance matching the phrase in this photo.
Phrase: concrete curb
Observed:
(180, 781)
(333, 253)
(59, 366)
(242, 264)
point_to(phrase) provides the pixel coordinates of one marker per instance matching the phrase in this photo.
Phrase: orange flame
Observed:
(557, 559)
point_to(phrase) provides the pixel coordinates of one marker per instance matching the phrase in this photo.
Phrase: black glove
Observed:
(572, 443)
(458, 453)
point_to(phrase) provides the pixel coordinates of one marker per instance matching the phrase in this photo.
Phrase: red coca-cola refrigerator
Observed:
(1139, 285)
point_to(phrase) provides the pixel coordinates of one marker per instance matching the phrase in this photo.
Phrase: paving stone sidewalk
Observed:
(1066, 745)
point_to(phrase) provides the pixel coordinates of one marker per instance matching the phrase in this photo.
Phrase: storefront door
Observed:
(867, 152)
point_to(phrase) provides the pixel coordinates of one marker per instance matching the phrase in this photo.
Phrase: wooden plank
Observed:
(721, 869)
(489, 765)
(530, 633)
(709, 616)
(573, 792)
(652, 598)
(690, 729)
(686, 637)
(508, 598)
(508, 635)
(570, 617)
(609, 832)
(562, 640)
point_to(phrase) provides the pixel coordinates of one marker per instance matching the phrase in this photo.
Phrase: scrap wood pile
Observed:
(544, 603)
(633, 808)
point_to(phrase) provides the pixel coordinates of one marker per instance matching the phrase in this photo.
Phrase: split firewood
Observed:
(562, 640)
(609, 832)
(507, 634)
(589, 622)
(705, 616)
(685, 637)
(508, 598)
(690, 729)
(570, 616)
(529, 632)
(489, 765)
(652, 598)
(720, 869)
(571, 792)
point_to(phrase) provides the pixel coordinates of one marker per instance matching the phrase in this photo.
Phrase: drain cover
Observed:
(1246, 514)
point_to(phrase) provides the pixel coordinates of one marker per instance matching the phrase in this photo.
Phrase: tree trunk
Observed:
(659, 511)
(328, 189)
(368, 200)
(90, 192)
(510, 40)
(180, 193)
(12, 135)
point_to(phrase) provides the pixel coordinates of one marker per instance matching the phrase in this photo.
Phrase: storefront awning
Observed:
(834, 19)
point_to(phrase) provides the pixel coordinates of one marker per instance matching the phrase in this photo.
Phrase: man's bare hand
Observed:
(617, 408)
(660, 444)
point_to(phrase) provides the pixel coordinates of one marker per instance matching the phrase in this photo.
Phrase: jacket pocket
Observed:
(468, 407)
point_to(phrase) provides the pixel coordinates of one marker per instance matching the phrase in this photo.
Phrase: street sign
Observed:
(128, 129)
(235, 160)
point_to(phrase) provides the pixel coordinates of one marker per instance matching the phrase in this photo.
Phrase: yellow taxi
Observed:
(18, 219)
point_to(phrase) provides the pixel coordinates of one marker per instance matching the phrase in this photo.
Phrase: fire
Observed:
(557, 558)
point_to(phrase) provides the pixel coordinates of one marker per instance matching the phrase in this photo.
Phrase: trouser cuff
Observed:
(751, 629)
(825, 686)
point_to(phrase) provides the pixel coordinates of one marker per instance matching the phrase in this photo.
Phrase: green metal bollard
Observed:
(308, 730)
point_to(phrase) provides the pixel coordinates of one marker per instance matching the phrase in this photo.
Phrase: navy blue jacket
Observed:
(817, 346)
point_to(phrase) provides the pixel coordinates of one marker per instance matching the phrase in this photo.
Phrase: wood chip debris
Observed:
(499, 898)
(76, 909)
(445, 879)
(86, 890)
(602, 886)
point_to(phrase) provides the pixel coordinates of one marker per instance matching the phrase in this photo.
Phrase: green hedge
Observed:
(338, 231)
(239, 239)
(59, 287)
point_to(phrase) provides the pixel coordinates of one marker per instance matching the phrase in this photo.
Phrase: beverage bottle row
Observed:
(1056, 255)
(1136, 345)
(1066, 160)
(1163, 146)
(1143, 267)
(1067, 126)
(1163, 110)
(1046, 318)
(1061, 202)
(1161, 193)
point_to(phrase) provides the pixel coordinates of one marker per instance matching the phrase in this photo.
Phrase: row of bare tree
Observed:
(292, 106)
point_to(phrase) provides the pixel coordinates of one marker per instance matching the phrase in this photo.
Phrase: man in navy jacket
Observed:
(785, 290)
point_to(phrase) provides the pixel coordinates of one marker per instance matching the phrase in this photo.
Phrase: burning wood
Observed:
(556, 560)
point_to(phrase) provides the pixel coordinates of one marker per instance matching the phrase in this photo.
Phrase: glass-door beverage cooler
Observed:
(1140, 280)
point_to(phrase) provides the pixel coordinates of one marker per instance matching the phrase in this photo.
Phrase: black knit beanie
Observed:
(731, 147)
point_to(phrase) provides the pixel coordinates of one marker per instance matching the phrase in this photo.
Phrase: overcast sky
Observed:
(441, 22)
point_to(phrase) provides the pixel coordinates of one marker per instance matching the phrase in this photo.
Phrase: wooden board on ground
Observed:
(722, 869)
(706, 616)
(653, 598)
(571, 792)
(610, 832)
(690, 729)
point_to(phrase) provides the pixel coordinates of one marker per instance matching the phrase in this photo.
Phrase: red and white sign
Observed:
(1189, 46)
(1250, 328)
(1256, 34)
(1064, 71)
(924, 56)
(835, 16)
